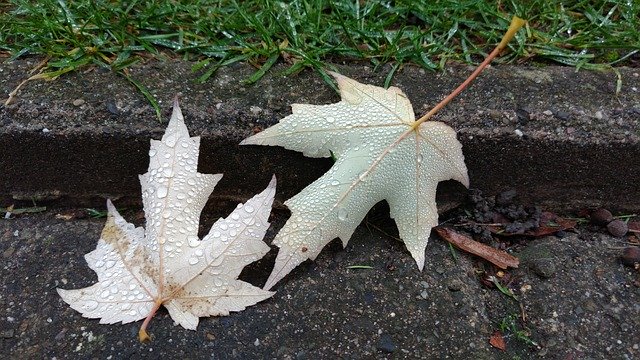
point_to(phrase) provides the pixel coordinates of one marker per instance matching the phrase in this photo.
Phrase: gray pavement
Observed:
(561, 138)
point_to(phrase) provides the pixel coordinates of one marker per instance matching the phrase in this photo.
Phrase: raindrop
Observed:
(125, 306)
(162, 191)
(114, 290)
(335, 182)
(217, 282)
(132, 313)
(132, 286)
(249, 209)
(216, 234)
(233, 233)
(90, 305)
(363, 176)
(342, 214)
(193, 240)
(99, 263)
(199, 252)
(235, 216)
(110, 264)
(140, 296)
(193, 260)
(331, 119)
(168, 248)
(223, 226)
(419, 158)
(152, 152)
(170, 140)
(105, 294)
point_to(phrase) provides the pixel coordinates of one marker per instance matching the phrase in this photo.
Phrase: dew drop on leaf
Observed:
(90, 305)
(193, 241)
(162, 192)
(342, 214)
(193, 260)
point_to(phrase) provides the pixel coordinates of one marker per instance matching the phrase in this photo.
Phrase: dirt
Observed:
(574, 299)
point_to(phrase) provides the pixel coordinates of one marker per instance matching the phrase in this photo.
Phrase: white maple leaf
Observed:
(166, 263)
(382, 153)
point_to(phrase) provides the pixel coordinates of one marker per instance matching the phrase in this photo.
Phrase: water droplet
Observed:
(249, 209)
(335, 182)
(224, 226)
(114, 290)
(363, 176)
(152, 152)
(233, 233)
(105, 294)
(217, 282)
(419, 158)
(90, 305)
(132, 286)
(140, 296)
(168, 248)
(342, 214)
(193, 240)
(199, 252)
(193, 260)
(132, 313)
(235, 216)
(181, 196)
(99, 263)
(125, 306)
(109, 264)
(331, 119)
(170, 140)
(162, 192)
(216, 234)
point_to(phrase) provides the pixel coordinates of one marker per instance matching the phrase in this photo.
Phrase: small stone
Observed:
(454, 285)
(617, 228)
(562, 115)
(386, 344)
(601, 217)
(545, 268)
(548, 112)
(78, 102)
(631, 256)
(7, 334)
(599, 115)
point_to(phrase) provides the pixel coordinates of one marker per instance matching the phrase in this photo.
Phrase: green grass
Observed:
(312, 33)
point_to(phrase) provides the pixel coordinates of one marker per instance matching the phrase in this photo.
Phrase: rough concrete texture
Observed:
(558, 136)
(579, 302)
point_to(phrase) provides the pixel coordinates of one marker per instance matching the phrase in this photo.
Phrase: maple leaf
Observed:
(166, 263)
(382, 153)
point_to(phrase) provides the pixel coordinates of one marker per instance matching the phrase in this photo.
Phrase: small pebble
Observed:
(631, 256)
(454, 285)
(617, 228)
(78, 102)
(601, 217)
(545, 268)
(386, 344)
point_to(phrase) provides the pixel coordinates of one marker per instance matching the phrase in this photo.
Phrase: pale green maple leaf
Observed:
(166, 263)
(381, 152)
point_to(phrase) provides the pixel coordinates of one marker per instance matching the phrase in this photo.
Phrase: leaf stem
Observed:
(516, 24)
(143, 336)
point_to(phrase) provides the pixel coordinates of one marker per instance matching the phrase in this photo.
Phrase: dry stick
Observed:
(516, 24)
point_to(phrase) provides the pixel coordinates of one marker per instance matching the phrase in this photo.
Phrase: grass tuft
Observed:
(312, 33)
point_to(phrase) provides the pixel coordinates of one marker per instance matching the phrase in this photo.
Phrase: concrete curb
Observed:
(561, 138)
